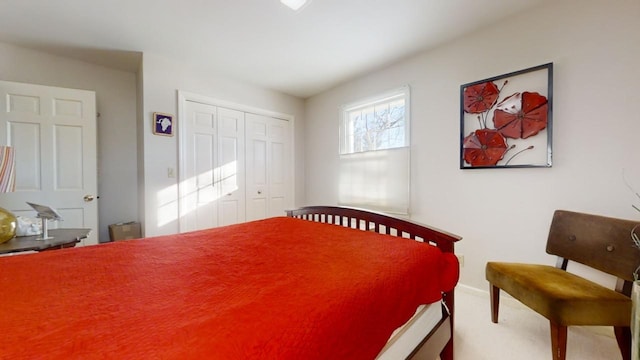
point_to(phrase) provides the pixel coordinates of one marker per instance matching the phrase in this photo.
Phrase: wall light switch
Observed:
(171, 173)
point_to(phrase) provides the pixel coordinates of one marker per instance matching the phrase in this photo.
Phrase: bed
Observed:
(281, 288)
(435, 338)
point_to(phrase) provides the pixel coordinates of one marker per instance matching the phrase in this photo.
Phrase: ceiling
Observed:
(258, 41)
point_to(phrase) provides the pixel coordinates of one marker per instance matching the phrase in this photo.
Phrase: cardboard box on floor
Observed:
(125, 231)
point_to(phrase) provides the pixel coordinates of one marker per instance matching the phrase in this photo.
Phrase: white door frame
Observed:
(184, 96)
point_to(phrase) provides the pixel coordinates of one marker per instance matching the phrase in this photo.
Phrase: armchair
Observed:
(566, 299)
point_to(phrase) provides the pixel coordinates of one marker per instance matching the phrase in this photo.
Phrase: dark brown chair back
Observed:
(600, 242)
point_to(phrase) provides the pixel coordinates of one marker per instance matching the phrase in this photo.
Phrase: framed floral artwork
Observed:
(506, 122)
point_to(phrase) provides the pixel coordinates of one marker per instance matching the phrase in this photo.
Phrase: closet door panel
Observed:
(231, 162)
(199, 188)
(269, 180)
(257, 175)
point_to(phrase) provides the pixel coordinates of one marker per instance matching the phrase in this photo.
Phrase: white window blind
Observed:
(375, 153)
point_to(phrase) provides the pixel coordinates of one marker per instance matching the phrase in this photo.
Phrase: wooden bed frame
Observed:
(440, 340)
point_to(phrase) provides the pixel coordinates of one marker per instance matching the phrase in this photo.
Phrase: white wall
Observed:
(132, 162)
(116, 103)
(504, 214)
(162, 79)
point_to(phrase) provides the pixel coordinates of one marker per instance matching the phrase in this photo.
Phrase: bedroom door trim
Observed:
(189, 96)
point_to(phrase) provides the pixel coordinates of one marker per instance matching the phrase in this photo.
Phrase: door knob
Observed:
(88, 198)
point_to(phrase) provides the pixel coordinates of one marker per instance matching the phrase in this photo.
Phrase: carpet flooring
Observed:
(521, 334)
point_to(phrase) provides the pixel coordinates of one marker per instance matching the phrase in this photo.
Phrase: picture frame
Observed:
(163, 124)
(506, 120)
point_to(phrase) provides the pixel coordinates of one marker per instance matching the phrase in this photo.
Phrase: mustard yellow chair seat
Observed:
(560, 296)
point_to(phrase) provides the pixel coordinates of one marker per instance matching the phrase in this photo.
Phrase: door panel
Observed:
(206, 190)
(198, 207)
(68, 161)
(67, 107)
(25, 104)
(213, 167)
(73, 218)
(231, 166)
(28, 175)
(278, 179)
(54, 133)
(268, 171)
(257, 183)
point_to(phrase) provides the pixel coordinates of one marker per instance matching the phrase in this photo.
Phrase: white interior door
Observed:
(212, 175)
(269, 177)
(53, 131)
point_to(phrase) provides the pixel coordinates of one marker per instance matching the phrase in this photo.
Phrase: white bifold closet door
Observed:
(236, 166)
(269, 174)
(212, 183)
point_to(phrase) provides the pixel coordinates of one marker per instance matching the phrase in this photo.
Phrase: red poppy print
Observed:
(484, 147)
(521, 115)
(480, 97)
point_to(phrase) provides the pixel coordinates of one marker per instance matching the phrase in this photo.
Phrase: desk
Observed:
(62, 238)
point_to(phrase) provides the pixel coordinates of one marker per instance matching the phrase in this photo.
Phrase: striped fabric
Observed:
(7, 169)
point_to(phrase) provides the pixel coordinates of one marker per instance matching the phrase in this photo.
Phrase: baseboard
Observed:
(504, 297)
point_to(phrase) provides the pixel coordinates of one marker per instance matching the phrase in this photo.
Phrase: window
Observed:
(376, 124)
(374, 153)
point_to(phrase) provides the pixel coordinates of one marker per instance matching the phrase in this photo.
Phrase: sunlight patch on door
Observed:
(196, 192)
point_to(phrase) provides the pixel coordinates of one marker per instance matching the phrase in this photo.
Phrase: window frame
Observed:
(401, 92)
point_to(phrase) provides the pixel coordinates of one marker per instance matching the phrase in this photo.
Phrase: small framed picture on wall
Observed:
(163, 124)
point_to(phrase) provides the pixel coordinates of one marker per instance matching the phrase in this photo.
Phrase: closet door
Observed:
(199, 189)
(269, 177)
(212, 179)
(231, 149)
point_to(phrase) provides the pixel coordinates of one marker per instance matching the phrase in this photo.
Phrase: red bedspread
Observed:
(280, 288)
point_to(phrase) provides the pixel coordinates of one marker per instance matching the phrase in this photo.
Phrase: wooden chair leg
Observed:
(623, 336)
(558, 341)
(494, 293)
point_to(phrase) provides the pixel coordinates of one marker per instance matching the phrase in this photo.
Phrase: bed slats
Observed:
(377, 222)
